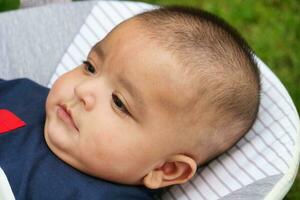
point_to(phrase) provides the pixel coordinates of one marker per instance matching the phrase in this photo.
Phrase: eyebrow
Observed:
(98, 50)
(132, 90)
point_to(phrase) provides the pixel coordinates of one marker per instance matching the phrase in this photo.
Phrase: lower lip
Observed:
(64, 116)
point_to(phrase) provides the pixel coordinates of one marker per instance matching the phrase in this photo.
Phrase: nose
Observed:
(84, 93)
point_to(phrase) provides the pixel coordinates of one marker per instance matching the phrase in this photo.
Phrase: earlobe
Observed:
(176, 170)
(153, 179)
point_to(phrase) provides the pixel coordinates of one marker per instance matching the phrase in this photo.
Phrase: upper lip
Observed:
(67, 109)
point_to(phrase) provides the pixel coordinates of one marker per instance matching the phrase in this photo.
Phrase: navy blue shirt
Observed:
(32, 170)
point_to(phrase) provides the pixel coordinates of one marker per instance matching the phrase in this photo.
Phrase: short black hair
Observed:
(215, 54)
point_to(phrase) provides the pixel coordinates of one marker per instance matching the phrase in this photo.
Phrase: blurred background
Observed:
(271, 27)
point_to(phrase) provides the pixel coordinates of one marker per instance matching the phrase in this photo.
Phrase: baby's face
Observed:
(114, 117)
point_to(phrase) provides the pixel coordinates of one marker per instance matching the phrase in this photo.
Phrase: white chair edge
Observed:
(283, 186)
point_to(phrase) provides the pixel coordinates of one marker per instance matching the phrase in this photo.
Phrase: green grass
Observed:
(271, 28)
(9, 5)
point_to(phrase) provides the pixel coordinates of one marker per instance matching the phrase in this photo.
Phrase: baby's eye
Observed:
(119, 104)
(88, 67)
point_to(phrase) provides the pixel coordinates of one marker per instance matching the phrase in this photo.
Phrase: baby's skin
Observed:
(117, 116)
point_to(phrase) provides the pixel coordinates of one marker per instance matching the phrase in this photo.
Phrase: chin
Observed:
(51, 136)
(48, 137)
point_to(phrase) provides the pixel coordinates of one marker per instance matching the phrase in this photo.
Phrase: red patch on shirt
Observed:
(9, 121)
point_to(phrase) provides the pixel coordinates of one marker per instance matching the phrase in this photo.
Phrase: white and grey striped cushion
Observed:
(270, 148)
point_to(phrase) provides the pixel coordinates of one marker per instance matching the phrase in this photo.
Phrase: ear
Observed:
(175, 170)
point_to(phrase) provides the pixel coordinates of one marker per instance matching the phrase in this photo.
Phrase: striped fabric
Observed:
(269, 148)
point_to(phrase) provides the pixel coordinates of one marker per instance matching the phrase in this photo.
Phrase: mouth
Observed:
(66, 115)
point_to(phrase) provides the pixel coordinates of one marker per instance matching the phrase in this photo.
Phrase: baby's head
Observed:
(162, 93)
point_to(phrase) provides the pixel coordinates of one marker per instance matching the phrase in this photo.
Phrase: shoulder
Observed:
(19, 93)
(22, 84)
(25, 81)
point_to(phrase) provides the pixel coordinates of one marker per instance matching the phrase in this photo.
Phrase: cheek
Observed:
(109, 132)
(115, 148)
(103, 128)
(63, 86)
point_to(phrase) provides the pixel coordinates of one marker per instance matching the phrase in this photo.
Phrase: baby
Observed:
(164, 92)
